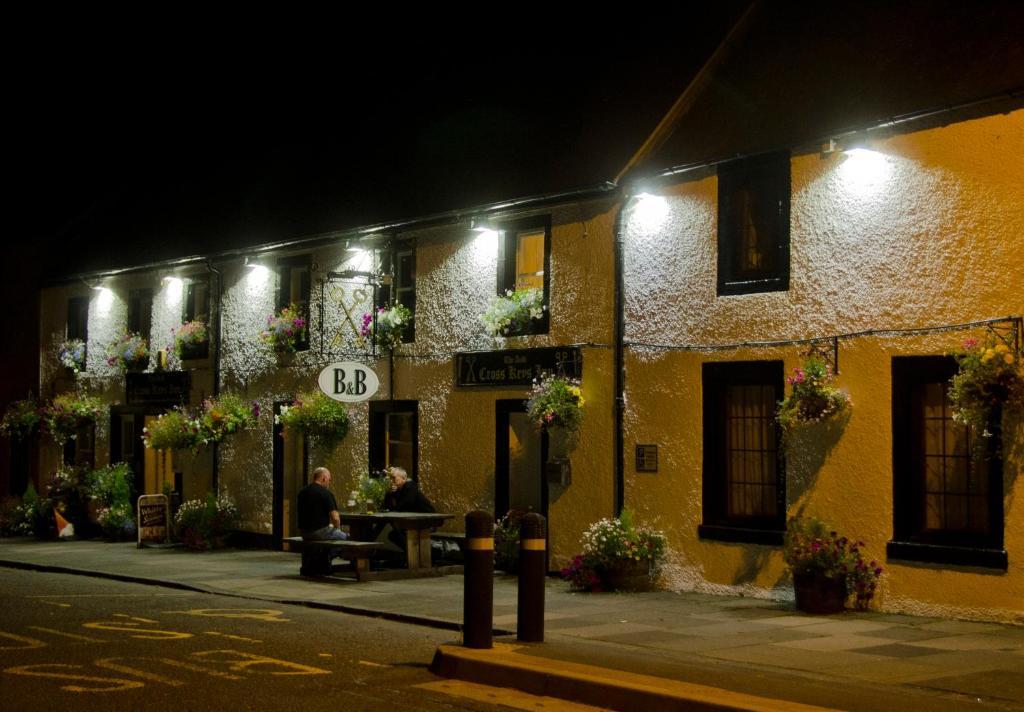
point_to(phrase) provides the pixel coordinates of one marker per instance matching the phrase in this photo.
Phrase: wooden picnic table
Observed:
(416, 525)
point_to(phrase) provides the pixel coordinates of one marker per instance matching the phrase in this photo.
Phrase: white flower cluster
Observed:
(513, 311)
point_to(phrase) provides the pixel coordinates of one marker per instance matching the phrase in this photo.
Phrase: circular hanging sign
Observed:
(348, 381)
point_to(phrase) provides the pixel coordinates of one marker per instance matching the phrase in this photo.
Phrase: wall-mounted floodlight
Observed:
(481, 225)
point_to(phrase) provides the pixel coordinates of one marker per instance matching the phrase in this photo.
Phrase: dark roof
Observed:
(796, 73)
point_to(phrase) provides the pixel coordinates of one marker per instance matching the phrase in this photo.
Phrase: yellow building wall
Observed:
(926, 230)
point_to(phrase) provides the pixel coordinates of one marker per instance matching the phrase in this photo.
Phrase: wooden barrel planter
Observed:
(629, 576)
(819, 594)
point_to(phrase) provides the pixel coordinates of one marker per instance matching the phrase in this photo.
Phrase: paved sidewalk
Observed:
(852, 660)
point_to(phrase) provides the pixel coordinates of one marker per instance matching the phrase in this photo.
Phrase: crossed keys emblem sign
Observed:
(350, 301)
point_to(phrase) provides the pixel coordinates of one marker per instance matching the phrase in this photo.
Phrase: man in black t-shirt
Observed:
(318, 510)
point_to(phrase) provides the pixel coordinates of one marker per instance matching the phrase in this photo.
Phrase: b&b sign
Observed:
(348, 382)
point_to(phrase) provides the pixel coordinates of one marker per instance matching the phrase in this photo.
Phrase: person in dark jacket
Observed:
(404, 496)
(317, 509)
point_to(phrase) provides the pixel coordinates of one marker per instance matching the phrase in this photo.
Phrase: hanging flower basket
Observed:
(285, 331)
(71, 354)
(989, 382)
(812, 397)
(390, 327)
(317, 417)
(514, 312)
(129, 353)
(192, 340)
(21, 419)
(556, 403)
(220, 417)
(70, 412)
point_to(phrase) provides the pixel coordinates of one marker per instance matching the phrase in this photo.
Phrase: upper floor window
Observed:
(293, 287)
(753, 225)
(140, 311)
(78, 321)
(197, 301)
(524, 261)
(744, 482)
(400, 262)
(948, 486)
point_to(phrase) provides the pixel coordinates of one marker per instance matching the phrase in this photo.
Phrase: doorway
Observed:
(520, 453)
(151, 469)
(290, 475)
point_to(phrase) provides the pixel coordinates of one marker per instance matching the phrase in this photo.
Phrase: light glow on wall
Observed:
(864, 172)
(104, 300)
(258, 276)
(174, 289)
(485, 249)
(650, 212)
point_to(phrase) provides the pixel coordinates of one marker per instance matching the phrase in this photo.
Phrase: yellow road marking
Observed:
(232, 637)
(135, 618)
(59, 605)
(140, 633)
(326, 655)
(109, 664)
(248, 660)
(503, 696)
(367, 663)
(259, 614)
(29, 643)
(73, 636)
(113, 684)
(199, 668)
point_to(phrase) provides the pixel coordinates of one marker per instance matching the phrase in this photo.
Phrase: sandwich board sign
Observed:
(154, 519)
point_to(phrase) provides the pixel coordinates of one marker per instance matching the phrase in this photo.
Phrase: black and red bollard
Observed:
(478, 594)
(532, 571)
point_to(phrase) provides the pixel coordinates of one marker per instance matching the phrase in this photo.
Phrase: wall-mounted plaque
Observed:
(475, 369)
(169, 388)
(646, 458)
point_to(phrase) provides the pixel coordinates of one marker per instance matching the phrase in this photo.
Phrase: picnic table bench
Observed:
(317, 555)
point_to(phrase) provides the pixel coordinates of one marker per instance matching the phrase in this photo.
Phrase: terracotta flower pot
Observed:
(817, 593)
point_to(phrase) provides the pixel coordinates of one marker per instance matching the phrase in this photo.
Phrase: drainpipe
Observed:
(620, 360)
(215, 339)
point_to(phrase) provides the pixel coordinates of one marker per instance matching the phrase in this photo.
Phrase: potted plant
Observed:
(317, 417)
(827, 568)
(812, 397)
(219, 417)
(369, 493)
(68, 413)
(204, 524)
(617, 555)
(514, 312)
(989, 381)
(192, 340)
(174, 430)
(71, 354)
(285, 330)
(110, 500)
(21, 419)
(130, 353)
(387, 331)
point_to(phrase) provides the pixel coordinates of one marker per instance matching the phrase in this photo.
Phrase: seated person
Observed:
(404, 496)
(318, 511)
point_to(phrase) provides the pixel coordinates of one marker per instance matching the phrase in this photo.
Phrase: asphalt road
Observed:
(68, 642)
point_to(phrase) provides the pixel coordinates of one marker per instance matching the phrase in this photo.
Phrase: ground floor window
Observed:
(394, 436)
(744, 484)
(947, 484)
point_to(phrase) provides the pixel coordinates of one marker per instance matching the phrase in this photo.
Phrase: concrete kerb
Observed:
(502, 666)
(321, 605)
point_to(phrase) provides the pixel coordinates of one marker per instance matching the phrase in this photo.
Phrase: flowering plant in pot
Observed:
(513, 313)
(315, 416)
(617, 555)
(369, 493)
(812, 397)
(21, 419)
(71, 354)
(389, 328)
(130, 352)
(226, 414)
(827, 568)
(174, 430)
(67, 413)
(204, 524)
(191, 340)
(989, 381)
(285, 330)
